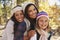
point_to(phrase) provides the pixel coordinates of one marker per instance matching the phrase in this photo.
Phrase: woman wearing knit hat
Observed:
(42, 27)
(30, 11)
(16, 26)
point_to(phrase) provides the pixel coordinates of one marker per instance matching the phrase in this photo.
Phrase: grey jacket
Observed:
(8, 31)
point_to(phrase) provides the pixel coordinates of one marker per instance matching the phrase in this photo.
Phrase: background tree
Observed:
(36, 2)
(20, 1)
(5, 9)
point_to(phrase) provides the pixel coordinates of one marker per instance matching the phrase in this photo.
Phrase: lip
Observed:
(43, 26)
(20, 19)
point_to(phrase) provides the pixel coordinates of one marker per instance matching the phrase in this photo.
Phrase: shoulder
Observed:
(27, 22)
(10, 23)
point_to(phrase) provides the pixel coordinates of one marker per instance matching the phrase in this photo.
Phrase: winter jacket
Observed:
(8, 31)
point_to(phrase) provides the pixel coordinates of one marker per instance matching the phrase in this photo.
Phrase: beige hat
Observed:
(17, 8)
(25, 4)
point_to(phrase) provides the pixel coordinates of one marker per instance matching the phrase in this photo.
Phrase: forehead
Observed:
(31, 7)
(43, 18)
(19, 11)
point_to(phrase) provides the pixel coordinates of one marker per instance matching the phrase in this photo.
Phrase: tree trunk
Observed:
(5, 12)
(20, 1)
(36, 2)
(0, 20)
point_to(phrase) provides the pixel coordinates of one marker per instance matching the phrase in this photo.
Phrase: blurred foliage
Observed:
(20, 1)
(53, 11)
(4, 10)
(0, 10)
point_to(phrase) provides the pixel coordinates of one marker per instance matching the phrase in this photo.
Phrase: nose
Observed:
(33, 12)
(19, 16)
(43, 22)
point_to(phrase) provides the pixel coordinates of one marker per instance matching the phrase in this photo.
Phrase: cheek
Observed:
(36, 11)
(16, 16)
(40, 23)
(30, 14)
(46, 24)
(22, 16)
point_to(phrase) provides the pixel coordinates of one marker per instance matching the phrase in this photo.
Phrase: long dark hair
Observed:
(16, 23)
(26, 11)
(32, 21)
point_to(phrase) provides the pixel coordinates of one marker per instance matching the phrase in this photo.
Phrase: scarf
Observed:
(44, 34)
(19, 34)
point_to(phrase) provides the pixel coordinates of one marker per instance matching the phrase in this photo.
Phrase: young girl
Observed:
(16, 26)
(42, 27)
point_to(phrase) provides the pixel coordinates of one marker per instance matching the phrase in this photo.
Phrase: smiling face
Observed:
(43, 22)
(19, 16)
(32, 12)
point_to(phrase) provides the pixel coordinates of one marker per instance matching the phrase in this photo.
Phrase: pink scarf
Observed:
(44, 34)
